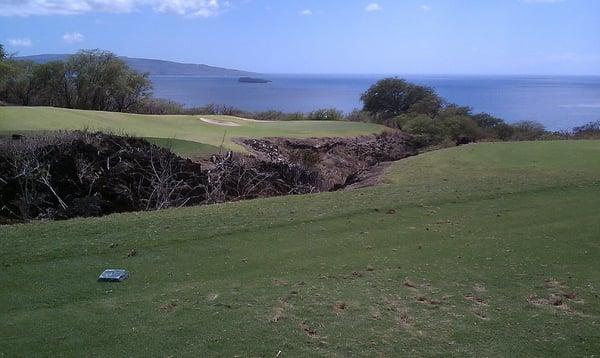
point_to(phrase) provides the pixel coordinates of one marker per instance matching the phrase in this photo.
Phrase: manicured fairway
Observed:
(189, 128)
(482, 250)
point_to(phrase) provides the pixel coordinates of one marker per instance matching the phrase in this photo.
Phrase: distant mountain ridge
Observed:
(155, 67)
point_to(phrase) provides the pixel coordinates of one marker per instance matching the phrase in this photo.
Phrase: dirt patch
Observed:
(375, 314)
(277, 314)
(411, 285)
(476, 299)
(558, 296)
(480, 313)
(555, 301)
(340, 307)
(132, 253)
(168, 307)
(277, 282)
(306, 328)
(479, 287)
(479, 306)
(279, 310)
(341, 162)
(212, 296)
(400, 312)
(428, 301)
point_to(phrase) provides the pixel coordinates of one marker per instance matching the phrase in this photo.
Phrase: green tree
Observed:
(5, 69)
(53, 87)
(392, 97)
(104, 82)
(16, 86)
(94, 79)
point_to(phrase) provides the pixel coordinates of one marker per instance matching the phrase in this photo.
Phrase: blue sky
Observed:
(318, 36)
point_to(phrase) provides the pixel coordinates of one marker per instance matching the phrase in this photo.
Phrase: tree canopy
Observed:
(392, 97)
(90, 79)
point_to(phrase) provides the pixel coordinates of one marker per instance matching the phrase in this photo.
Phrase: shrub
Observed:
(587, 131)
(330, 114)
(461, 129)
(158, 106)
(360, 116)
(427, 131)
(528, 130)
(270, 116)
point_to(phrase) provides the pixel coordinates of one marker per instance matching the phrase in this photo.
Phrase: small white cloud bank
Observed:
(426, 7)
(20, 42)
(373, 7)
(189, 8)
(192, 8)
(305, 12)
(73, 37)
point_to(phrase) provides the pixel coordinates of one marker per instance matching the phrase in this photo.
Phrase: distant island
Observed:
(155, 67)
(253, 80)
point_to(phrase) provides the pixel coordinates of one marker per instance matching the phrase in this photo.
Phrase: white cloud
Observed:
(198, 8)
(20, 42)
(73, 37)
(373, 7)
(305, 12)
(426, 7)
(193, 8)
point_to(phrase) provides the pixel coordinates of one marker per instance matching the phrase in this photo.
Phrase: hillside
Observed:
(156, 67)
(482, 250)
(210, 130)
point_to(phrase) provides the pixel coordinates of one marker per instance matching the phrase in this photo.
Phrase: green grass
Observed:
(492, 220)
(184, 148)
(189, 128)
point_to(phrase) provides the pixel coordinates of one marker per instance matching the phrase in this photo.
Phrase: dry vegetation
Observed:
(74, 174)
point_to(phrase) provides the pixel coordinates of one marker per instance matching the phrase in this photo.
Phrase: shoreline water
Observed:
(559, 102)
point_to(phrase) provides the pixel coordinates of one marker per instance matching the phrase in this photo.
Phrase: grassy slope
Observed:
(494, 220)
(189, 128)
(184, 148)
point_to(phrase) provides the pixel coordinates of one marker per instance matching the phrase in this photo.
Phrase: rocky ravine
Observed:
(65, 175)
(340, 162)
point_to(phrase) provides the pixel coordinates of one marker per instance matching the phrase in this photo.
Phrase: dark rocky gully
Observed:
(81, 174)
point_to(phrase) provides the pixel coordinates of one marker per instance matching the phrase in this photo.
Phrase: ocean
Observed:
(559, 102)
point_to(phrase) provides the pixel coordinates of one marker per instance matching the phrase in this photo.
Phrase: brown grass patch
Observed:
(478, 287)
(400, 311)
(476, 299)
(480, 312)
(168, 307)
(339, 307)
(559, 296)
(306, 328)
(428, 301)
(408, 283)
(277, 282)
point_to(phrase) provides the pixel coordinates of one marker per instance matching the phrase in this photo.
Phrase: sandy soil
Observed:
(255, 120)
(219, 122)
